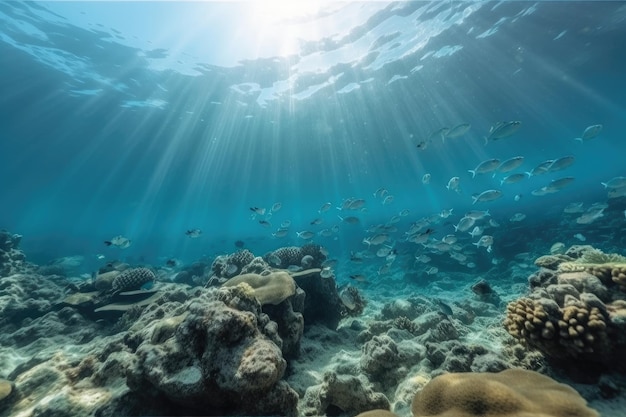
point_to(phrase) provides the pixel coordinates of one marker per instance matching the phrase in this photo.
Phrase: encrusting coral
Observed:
(511, 393)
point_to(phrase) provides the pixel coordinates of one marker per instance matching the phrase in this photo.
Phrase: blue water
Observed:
(146, 120)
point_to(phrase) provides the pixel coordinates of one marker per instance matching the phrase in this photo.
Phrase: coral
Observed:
(574, 331)
(220, 351)
(6, 388)
(596, 256)
(512, 393)
(403, 323)
(608, 273)
(352, 300)
(308, 256)
(231, 265)
(379, 355)
(268, 289)
(132, 279)
(320, 291)
(576, 251)
(12, 260)
(377, 413)
(351, 394)
(552, 261)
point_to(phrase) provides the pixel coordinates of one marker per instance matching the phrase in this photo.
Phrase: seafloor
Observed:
(238, 337)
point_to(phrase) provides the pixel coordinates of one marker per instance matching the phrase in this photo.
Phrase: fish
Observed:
(513, 178)
(559, 184)
(493, 223)
(258, 210)
(541, 169)
(624, 213)
(432, 270)
(381, 192)
(486, 196)
(580, 237)
(276, 207)
(574, 208)
(616, 182)
(457, 131)
(444, 308)
(384, 251)
(347, 297)
(477, 214)
(446, 213)
(517, 197)
(193, 233)
(449, 239)
(171, 263)
(517, 217)
(453, 183)
(617, 192)
(476, 231)
(274, 260)
(561, 163)
(378, 239)
(426, 179)
(404, 213)
(349, 219)
(286, 224)
(326, 272)
(324, 208)
(317, 221)
(100, 256)
(440, 132)
(359, 278)
(423, 259)
(118, 241)
(305, 235)
(240, 244)
(503, 130)
(280, 233)
(464, 224)
(484, 167)
(485, 241)
(422, 145)
(265, 223)
(590, 216)
(388, 200)
(590, 133)
(356, 204)
(325, 233)
(510, 164)
(356, 257)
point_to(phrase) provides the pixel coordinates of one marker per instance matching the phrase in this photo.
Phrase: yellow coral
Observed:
(268, 289)
(511, 393)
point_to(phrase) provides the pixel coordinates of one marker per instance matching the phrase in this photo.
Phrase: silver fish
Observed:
(590, 133)
(503, 130)
(561, 163)
(457, 131)
(510, 164)
(617, 182)
(513, 178)
(485, 196)
(464, 224)
(541, 169)
(305, 234)
(486, 166)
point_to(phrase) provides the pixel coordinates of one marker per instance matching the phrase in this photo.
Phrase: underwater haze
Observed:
(148, 120)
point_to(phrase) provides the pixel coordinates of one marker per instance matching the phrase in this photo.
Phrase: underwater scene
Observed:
(313, 208)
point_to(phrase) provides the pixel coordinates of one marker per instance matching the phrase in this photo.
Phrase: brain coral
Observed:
(511, 393)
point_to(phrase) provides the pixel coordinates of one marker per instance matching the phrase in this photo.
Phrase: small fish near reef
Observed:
(194, 233)
(118, 241)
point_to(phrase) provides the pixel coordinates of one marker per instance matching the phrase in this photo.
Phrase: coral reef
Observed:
(132, 279)
(220, 351)
(348, 393)
(268, 289)
(512, 392)
(227, 266)
(12, 260)
(307, 256)
(573, 313)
